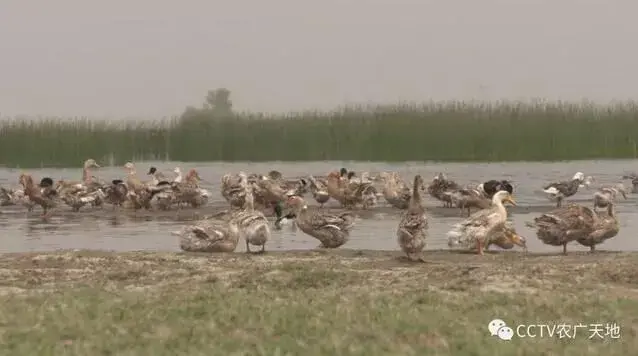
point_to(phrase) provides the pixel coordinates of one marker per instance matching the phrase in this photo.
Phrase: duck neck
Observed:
(415, 201)
(86, 175)
(29, 187)
(250, 200)
(178, 178)
(500, 208)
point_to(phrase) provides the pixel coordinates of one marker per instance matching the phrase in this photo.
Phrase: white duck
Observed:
(481, 225)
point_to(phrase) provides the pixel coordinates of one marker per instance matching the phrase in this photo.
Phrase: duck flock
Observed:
(251, 196)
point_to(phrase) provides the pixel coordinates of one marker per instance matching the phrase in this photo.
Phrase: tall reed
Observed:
(438, 131)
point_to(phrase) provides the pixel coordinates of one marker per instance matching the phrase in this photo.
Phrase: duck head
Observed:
(275, 175)
(243, 179)
(25, 180)
(503, 196)
(46, 182)
(515, 238)
(151, 171)
(193, 174)
(129, 166)
(587, 182)
(579, 176)
(90, 163)
(343, 172)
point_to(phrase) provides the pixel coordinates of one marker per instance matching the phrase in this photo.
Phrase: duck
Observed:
(189, 191)
(564, 225)
(212, 235)
(605, 226)
(273, 191)
(395, 191)
(319, 190)
(43, 195)
(489, 188)
(332, 230)
(116, 193)
(560, 190)
(158, 177)
(232, 189)
(607, 195)
(281, 219)
(253, 225)
(505, 237)
(634, 181)
(412, 230)
(178, 175)
(88, 182)
(139, 194)
(15, 197)
(291, 186)
(440, 186)
(477, 229)
(79, 199)
(349, 194)
(468, 198)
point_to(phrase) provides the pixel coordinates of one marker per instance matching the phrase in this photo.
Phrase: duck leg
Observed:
(592, 248)
(247, 247)
(565, 248)
(263, 248)
(479, 247)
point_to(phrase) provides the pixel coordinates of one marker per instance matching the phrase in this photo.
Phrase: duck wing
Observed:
(480, 218)
(556, 187)
(341, 221)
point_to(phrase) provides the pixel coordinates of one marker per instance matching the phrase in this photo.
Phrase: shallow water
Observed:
(103, 229)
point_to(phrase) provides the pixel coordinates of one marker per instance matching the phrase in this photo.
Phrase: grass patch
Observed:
(312, 304)
(437, 131)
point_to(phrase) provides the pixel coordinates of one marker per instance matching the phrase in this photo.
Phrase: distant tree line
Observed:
(217, 104)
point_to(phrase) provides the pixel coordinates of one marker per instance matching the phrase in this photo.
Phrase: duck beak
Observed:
(511, 201)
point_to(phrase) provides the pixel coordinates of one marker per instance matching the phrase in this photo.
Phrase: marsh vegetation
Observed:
(437, 131)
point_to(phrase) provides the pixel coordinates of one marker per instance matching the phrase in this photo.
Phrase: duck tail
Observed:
(551, 190)
(453, 238)
(263, 230)
(454, 234)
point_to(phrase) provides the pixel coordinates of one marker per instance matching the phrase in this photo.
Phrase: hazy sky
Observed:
(151, 58)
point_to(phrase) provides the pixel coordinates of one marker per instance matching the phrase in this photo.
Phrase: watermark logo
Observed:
(497, 327)
(500, 329)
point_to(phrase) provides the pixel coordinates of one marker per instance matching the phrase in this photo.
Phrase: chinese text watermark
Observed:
(500, 329)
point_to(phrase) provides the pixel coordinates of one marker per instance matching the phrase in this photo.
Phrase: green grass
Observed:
(441, 131)
(308, 303)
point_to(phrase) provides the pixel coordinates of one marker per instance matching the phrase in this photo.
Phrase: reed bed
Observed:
(434, 131)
